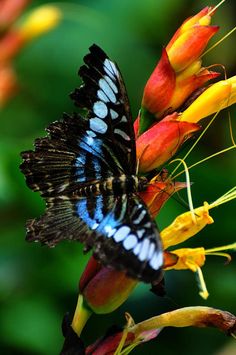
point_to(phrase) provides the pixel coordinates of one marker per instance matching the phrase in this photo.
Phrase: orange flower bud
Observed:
(158, 144)
(190, 39)
(203, 17)
(189, 46)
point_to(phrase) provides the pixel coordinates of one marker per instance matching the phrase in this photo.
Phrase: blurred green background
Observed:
(37, 285)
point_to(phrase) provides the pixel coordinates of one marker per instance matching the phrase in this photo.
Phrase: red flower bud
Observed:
(158, 144)
(160, 86)
(95, 286)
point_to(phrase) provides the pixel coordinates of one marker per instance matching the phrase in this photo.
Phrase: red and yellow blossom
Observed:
(179, 71)
(14, 37)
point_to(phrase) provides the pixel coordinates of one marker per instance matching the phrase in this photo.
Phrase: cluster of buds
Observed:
(176, 97)
(15, 35)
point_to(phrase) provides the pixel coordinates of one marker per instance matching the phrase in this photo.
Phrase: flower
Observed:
(179, 72)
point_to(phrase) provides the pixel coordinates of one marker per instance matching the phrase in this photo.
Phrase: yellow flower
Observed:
(217, 97)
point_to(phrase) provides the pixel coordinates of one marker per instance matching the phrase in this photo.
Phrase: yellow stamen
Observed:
(217, 251)
(190, 201)
(130, 323)
(228, 196)
(194, 258)
(231, 130)
(217, 43)
(205, 159)
(201, 284)
(195, 143)
(216, 7)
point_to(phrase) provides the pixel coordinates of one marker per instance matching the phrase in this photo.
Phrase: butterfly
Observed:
(85, 169)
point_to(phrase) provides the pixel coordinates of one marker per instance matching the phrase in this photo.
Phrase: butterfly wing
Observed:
(118, 228)
(81, 149)
(104, 96)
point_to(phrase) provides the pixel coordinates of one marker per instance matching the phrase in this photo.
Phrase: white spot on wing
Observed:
(114, 114)
(137, 248)
(144, 251)
(140, 233)
(100, 109)
(121, 233)
(130, 242)
(122, 134)
(102, 96)
(94, 226)
(91, 133)
(98, 125)
(107, 90)
(112, 85)
(140, 217)
(151, 251)
(123, 119)
(157, 260)
(110, 68)
(89, 140)
(109, 230)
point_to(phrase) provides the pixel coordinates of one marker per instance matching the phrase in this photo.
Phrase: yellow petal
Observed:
(183, 227)
(217, 97)
(188, 259)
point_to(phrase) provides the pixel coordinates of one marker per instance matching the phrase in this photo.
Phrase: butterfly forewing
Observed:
(104, 96)
(74, 169)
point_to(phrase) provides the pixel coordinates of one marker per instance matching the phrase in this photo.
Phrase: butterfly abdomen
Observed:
(117, 186)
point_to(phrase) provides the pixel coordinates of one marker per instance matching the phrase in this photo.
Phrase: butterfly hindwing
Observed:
(118, 228)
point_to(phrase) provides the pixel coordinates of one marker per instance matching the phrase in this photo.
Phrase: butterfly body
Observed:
(115, 185)
(85, 169)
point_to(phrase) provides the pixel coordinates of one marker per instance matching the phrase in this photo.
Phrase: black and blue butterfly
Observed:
(85, 169)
